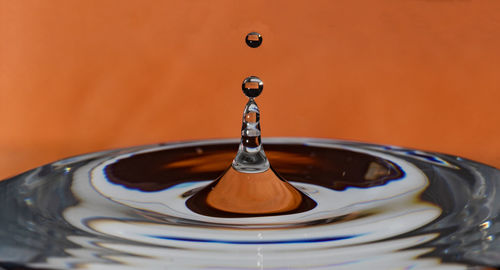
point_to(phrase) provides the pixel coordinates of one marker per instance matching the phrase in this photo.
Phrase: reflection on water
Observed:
(377, 207)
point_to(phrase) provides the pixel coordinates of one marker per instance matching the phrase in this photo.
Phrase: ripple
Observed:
(377, 206)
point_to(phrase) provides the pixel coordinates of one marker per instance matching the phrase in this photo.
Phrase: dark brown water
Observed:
(331, 168)
(327, 167)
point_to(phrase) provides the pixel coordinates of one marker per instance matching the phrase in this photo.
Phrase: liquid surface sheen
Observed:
(364, 206)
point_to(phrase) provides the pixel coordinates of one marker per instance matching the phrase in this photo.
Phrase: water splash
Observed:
(126, 209)
(251, 157)
(250, 186)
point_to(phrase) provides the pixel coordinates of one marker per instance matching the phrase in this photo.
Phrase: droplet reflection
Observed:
(253, 39)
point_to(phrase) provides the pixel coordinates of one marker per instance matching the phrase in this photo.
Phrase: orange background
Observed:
(81, 76)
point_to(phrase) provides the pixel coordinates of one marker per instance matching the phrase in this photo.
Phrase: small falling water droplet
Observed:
(253, 39)
(252, 86)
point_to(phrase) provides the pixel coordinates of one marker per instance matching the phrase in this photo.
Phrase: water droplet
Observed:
(28, 201)
(253, 39)
(485, 225)
(252, 86)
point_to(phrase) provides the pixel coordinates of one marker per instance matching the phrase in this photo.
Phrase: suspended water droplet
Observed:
(253, 39)
(252, 86)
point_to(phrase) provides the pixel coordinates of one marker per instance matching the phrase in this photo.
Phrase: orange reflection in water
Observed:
(253, 193)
